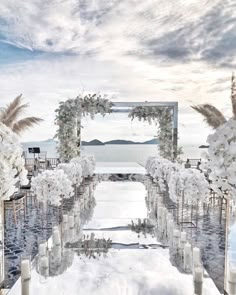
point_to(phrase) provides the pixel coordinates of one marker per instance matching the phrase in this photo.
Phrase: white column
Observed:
(25, 277)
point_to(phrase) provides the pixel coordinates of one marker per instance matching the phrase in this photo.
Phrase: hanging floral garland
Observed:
(162, 117)
(68, 119)
(12, 164)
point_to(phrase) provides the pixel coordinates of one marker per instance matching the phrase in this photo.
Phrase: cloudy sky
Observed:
(153, 50)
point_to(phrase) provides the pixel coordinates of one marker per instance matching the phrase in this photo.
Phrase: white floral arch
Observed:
(70, 112)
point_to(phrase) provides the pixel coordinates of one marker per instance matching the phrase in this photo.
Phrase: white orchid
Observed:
(52, 186)
(191, 182)
(73, 170)
(12, 164)
(176, 179)
(160, 169)
(87, 163)
(222, 156)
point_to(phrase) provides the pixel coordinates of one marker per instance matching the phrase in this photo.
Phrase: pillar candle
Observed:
(198, 274)
(176, 238)
(57, 254)
(176, 233)
(198, 290)
(231, 288)
(170, 224)
(25, 269)
(42, 249)
(232, 275)
(71, 234)
(44, 262)
(64, 226)
(196, 256)
(65, 218)
(183, 237)
(56, 238)
(25, 287)
(187, 256)
(25, 277)
(55, 228)
(71, 221)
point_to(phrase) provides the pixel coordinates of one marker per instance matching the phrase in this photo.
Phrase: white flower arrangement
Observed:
(87, 163)
(52, 186)
(12, 164)
(176, 179)
(73, 170)
(160, 169)
(68, 119)
(222, 157)
(191, 182)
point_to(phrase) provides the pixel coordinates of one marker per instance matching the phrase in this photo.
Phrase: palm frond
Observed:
(14, 104)
(211, 114)
(11, 112)
(1, 114)
(233, 95)
(25, 123)
(12, 115)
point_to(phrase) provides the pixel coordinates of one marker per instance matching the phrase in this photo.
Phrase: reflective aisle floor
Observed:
(113, 246)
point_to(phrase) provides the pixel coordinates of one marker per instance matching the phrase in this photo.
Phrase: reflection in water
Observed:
(36, 227)
(142, 226)
(55, 260)
(139, 256)
(203, 224)
(90, 246)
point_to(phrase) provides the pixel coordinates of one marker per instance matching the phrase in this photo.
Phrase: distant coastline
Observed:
(94, 142)
(117, 141)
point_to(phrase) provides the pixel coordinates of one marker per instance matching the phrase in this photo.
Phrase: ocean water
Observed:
(116, 153)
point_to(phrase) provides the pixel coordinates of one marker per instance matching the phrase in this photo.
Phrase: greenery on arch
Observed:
(163, 117)
(68, 120)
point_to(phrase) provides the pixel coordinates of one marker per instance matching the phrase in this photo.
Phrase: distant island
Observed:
(117, 141)
(203, 146)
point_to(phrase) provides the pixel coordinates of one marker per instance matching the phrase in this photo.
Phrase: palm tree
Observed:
(211, 114)
(11, 113)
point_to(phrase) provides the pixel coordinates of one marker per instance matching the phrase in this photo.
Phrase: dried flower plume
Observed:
(11, 113)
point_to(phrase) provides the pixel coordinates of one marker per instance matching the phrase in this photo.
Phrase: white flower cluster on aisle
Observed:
(73, 172)
(175, 178)
(87, 163)
(222, 157)
(53, 185)
(12, 164)
(161, 169)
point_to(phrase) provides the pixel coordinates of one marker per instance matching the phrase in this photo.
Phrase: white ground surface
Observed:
(125, 272)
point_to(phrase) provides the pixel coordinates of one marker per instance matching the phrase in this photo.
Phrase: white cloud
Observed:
(45, 82)
(153, 50)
